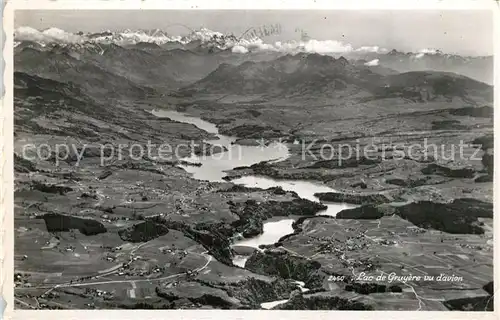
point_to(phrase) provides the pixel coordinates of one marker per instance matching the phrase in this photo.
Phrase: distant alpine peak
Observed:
(342, 61)
(430, 51)
(394, 52)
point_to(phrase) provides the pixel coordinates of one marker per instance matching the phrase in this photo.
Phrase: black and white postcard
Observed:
(244, 159)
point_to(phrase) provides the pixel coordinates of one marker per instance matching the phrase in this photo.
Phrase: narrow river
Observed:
(213, 169)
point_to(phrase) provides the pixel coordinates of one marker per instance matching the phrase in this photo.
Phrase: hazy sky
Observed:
(452, 31)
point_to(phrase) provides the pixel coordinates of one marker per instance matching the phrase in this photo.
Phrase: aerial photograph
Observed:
(253, 159)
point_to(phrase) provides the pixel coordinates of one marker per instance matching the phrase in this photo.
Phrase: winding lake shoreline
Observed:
(213, 166)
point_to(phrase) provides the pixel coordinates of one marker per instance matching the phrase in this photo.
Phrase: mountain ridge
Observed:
(313, 71)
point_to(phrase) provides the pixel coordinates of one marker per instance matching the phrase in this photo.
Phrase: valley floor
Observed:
(162, 239)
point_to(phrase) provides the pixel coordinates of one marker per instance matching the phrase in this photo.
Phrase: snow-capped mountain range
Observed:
(479, 68)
